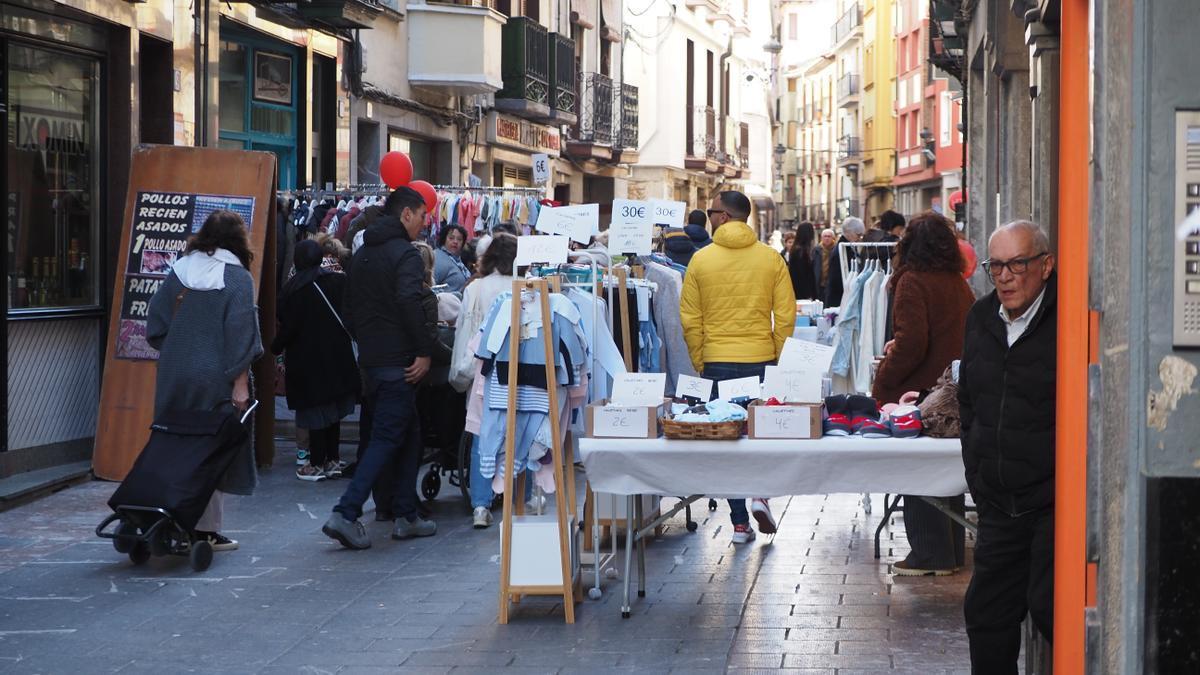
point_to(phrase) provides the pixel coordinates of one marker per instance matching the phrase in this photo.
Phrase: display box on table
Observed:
(605, 420)
(796, 421)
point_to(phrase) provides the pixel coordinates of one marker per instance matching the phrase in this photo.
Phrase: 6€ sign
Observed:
(541, 169)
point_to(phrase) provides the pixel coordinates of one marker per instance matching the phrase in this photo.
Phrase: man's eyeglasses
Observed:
(712, 211)
(1017, 266)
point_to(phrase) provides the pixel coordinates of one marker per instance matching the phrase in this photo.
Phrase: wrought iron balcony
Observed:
(564, 91)
(596, 114)
(848, 90)
(849, 24)
(702, 141)
(627, 138)
(743, 146)
(849, 148)
(525, 64)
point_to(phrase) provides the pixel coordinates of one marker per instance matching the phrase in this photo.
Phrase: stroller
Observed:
(157, 506)
(443, 414)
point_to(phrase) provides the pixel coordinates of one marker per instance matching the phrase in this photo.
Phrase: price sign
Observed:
(630, 231)
(667, 213)
(782, 421)
(620, 422)
(639, 389)
(694, 387)
(792, 386)
(577, 222)
(550, 249)
(804, 355)
(746, 387)
(541, 169)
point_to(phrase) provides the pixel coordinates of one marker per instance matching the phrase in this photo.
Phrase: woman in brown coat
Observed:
(929, 314)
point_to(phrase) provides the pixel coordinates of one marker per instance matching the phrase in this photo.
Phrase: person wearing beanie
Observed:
(677, 245)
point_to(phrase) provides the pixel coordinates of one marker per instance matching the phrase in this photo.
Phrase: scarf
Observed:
(200, 271)
(825, 258)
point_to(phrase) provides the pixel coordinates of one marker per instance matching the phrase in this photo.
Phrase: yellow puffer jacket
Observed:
(738, 305)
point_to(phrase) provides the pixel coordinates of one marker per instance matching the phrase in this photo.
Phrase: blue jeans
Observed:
(395, 437)
(480, 488)
(719, 372)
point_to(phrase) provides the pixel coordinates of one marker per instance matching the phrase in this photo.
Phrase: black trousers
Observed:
(1014, 575)
(323, 444)
(937, 542)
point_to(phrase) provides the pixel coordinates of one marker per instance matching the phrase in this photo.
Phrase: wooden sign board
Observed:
(171, 191)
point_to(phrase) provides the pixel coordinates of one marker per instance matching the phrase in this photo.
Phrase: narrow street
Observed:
(290, 600)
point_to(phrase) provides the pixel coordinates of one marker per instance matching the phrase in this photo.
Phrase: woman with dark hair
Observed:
(929, 316)
(448, 267)
(321, 371)
(494, 278)
(204, 324)
(803, 264)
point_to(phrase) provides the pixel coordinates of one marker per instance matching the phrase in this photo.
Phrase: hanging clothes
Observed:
(674, 354)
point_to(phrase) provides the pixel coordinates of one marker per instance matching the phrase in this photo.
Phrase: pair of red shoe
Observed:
(860, 416)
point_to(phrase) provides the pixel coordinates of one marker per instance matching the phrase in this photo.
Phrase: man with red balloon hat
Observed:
(383, 312)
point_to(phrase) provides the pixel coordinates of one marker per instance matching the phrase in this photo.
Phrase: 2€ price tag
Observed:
(577, 222)
(746, 387)
(667, 213)
(541, 169)
(550, 249)
(694, 387)
(639, 389)
(620, 422)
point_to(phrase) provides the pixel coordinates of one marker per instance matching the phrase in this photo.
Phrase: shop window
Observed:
(257, 106)
(51, 196)
(232, 87)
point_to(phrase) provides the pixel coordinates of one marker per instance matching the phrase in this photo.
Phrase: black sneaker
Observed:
(218, 541)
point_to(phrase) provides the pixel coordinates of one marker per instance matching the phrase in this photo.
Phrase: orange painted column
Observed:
(1074, 338)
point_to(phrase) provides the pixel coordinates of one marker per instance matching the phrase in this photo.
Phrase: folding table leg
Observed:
(628, 553)
(641, 544)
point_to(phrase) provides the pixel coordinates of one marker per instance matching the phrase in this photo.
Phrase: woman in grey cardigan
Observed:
(448, 267)
(204, 323)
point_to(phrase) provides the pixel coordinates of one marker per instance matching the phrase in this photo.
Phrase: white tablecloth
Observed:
(929, 467)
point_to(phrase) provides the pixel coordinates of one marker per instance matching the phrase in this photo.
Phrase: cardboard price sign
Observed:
(620, 422)
(694, 387)
(746, 387)
(630, 231)
(577, 222)
(792, 386)
(804, 355)
(639, 389)
(667, 213)
(549, 248)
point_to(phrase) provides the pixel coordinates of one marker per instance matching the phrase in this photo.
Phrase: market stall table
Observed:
(747, 468)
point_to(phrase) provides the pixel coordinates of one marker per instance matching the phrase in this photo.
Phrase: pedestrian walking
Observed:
(320, 368)
(853, 230)
(203, 322)
(824, 255)
(932, 302)
(802, 263)
(737, 310)
(1006, 394)
(384, 303)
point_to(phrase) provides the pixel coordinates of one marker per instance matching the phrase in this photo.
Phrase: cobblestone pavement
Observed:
(292, 601)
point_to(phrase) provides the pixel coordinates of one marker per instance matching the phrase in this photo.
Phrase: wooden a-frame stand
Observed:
(510, 592)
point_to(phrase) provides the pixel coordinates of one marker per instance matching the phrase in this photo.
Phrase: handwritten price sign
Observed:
(618, 422)
(639, 389)
(550, 249)
(577, 222)
(746, 387)
(792, 386)
(804, 355)
(667, 213)
(541, 169)
(694, 387)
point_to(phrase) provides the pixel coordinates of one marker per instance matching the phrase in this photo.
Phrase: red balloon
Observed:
(395, 169)
(970, 259)
(426, 190)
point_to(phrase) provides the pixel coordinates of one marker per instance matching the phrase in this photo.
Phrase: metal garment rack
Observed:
(491, 189)
(864, 245)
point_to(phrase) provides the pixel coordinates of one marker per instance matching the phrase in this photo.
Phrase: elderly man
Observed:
(853, 230)
(738, 308)
(1006, 396)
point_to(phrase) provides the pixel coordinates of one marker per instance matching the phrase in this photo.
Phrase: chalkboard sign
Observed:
(162, 222)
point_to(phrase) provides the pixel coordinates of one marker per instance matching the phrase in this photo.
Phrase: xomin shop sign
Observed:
(51, 132)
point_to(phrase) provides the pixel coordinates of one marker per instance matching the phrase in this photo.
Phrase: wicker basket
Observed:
(702, 431)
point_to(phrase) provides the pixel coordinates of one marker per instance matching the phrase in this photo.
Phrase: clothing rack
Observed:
(560, 453)
(488, 189)
(863, 245)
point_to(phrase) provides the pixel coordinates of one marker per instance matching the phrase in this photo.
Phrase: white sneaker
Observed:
(762, 513)
(483, 518)
(743, 534)
(536, 504)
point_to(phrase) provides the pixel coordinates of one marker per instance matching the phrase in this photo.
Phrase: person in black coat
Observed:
(803, 265)
(321, 373)
(1007, 405)
(852, 231)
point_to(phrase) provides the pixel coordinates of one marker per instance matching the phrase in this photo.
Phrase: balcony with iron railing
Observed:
(848, 90)
(701, 130)
(627, 107)
(743, 149)
(848, 26)
(596, 113)
(538, 68)
(849, 149)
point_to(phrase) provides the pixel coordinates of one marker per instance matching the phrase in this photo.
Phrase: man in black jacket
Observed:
(383, 312)
(1007, 400)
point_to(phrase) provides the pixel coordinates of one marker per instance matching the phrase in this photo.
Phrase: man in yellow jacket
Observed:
(738, 308)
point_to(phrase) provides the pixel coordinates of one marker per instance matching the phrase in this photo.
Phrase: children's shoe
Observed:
(310, 473)
(301, 456)
(906, 422)
(762, 513)
(333, 469)
(871, 428)
(743, 534)
(837, 424)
